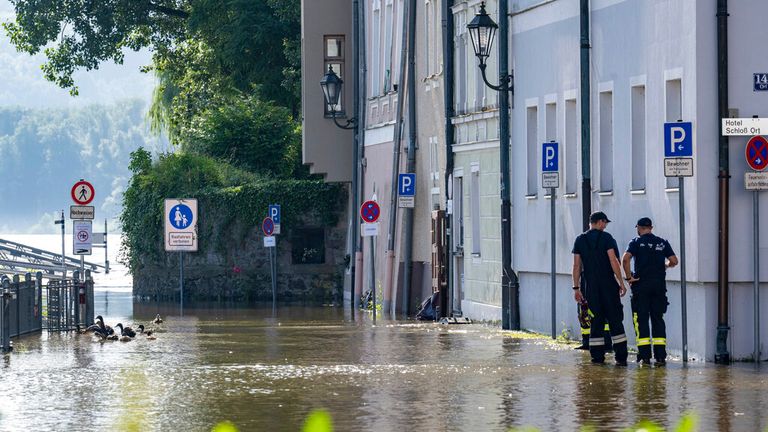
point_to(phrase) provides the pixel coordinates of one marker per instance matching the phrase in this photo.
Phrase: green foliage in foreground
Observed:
(232, 202)
(686, 424)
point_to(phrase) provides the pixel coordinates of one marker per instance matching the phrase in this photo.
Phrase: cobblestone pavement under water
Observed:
(265, 373)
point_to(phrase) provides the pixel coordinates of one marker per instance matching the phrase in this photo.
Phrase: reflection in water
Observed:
(261, 373)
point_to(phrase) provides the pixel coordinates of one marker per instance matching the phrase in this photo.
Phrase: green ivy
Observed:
(231, 202)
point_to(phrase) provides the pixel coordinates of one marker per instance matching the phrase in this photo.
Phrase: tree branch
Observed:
(178, 13)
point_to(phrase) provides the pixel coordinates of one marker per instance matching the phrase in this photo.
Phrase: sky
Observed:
(22, 82)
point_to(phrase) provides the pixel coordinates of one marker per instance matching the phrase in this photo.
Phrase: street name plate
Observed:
(550, 180)
(270, 241)
(406, 202)
(78, 212)
(756, 181)
(745, 126)
(370, 229)
(678, 167)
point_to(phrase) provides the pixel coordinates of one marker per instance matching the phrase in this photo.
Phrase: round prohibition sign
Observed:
(370, 211)
(82, 236)
(82, 193)
(756, 153)
(268, 226)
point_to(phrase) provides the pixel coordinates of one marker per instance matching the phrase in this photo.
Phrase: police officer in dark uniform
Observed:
(596, 254)
(652, 256)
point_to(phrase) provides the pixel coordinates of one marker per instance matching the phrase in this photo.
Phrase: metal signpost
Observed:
(756, 154)
(406, 191)
(181, 233)
(82, 194)
(268, 228)
(678, 162)
(370, 212)
(550, 178)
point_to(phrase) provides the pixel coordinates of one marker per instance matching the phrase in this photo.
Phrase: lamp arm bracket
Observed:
(351, 123)
(505, 86)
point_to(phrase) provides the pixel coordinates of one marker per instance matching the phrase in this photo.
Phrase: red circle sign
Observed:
(756, 153)
(268, 226)
(82, 193)
(370, 211)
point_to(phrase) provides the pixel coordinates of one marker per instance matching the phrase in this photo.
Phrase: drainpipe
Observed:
(721, 355)
(360, 148)
(586, 160)
(389, 270)
(448, 65)
(411, 161)
(355, 204)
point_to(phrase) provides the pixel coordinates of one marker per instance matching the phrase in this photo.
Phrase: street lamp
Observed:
(482, 31)
(332, 85)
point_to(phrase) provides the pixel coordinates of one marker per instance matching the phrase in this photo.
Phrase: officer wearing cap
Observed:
(596, 255)
(652, 256)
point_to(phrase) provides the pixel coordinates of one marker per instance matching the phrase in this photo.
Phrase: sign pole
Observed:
(273, 254)
(683, 293)
(63, 250)
(181, 280)
(373, 281)
(553, 250)
(756, 257)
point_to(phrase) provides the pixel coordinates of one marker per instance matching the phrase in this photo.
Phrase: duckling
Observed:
(158, 320)
(125, 338)
(126, 331)
(149, 332)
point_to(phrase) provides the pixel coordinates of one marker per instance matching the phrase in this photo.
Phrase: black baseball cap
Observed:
(644, 222)
(598, 216)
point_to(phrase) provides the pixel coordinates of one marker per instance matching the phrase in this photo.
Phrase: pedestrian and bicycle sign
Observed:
(82, 193)
(181, 225)
(82, 237)
(756, 153)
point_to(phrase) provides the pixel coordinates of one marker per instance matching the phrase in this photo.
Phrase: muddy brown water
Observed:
(267, 373)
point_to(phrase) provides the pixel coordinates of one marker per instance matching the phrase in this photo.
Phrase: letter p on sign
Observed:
(406, 185)
(678, 139)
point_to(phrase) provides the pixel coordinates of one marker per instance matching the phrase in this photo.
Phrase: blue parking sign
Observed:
(549, 157)
(274, 213)
(678, 139)
(406, 185)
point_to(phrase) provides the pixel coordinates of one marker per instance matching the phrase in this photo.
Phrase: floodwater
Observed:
(267, 374)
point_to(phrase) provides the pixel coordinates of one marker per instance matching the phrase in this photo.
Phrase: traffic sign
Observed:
(760, 81)
(181, 225)
(274, 213)
(268, 226)
(756, 153)
(82, 241)
(756, 181)
(550, 157)
(370, 229)
(678, 167)
(82, 193)
(406, 185)
(748, 126)
(81, 212)
(370, 211)
(270, 241)
(550, 180)
(678, 139)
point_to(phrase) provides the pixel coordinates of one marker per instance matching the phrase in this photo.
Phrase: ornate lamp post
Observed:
(482, 31)
(332, 85)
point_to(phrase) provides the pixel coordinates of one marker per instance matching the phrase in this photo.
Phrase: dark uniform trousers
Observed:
(585, 331)
(649, 300)
(605, 303)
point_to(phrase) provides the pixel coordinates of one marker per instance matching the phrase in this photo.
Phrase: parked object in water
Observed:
(427, 311)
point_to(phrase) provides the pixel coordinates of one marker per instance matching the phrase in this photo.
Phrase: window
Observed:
(474, 204)
(638, 138)
(308, 246)
(461, 64)
(571, 148)
(674, 112)
(532, 145)
(375, 47)
(606, 141)
(389, 41)
(334, 58)
(551, 122)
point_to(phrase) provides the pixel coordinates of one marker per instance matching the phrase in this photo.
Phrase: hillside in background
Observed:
(44, 151)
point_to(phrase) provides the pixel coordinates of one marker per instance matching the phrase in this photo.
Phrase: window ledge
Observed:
(531, 196)
(671, 190)
(637, 192)
(605, 193)
(571, 195)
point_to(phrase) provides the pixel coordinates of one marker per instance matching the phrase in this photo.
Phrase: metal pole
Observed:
(448, 88)
(181, 281)
(106, 253)
(273, 264)
(63, 250)
(756, 265)
(586, 140)
(553, 252)
(411, 159)
(683, 294)
(373, 279)
(82, 266)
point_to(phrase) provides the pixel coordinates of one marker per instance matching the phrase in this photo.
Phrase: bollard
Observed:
(88, 298)
(39, 299)
(5, 316)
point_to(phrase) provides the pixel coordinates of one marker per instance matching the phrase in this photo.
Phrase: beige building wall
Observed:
(326, 148)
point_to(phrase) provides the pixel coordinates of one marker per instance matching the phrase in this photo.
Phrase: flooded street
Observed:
(264, 373)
